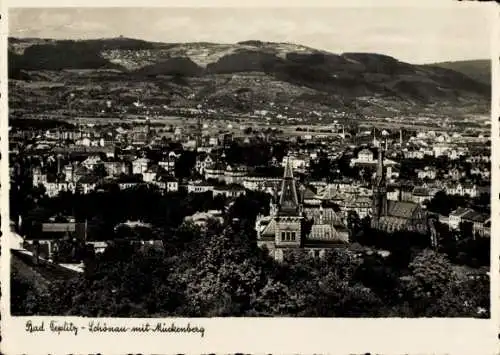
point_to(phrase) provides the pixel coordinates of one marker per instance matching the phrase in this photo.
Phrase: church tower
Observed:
(379, 202)
(289, 217)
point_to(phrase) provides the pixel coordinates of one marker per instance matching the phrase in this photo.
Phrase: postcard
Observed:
(264, 178)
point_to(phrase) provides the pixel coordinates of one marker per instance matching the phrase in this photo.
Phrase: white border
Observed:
(495, 170)
(259, 336)
(234, 3)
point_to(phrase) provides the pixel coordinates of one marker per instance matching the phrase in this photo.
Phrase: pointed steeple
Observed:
(379, 206)
(288, 170)
(380, 176)
(289, 202)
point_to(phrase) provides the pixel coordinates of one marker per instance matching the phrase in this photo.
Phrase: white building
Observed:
(140, 165)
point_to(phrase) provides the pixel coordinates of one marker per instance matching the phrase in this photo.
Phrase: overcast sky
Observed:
(415, 35)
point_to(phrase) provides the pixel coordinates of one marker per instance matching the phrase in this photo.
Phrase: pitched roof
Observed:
(365, 151)
(270, 230)
(88, 179)
(308, 193)
(460, 211)
(217, 165)
(289, 202)
(421, 191)
(401, 209)
(475, 216)
(80, 170)
(134, 224)
(55, 230)
(166, 178)
(362, 200)
(330, 192)
(58, 227)
(322, 232)
(155, 169)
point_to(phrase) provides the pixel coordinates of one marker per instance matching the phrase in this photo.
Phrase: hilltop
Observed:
(250, 74)
(479, 70)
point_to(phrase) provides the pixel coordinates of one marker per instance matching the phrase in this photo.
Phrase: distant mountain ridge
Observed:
(293, 74)
(479, 69)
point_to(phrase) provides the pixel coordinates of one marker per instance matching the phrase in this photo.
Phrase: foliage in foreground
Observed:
(221, 272)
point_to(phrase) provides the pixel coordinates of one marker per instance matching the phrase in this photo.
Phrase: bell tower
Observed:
(379, 202)
(289, 217)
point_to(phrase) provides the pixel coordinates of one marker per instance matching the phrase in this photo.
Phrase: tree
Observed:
(97, 229)
(184, 166)
(359, 301)
(225, 270)
(353, 222)
(100, 171)
(469, 297)
(466, 230)
(276, 299)
(27, 297)
(218, 270)
(429, 279)
(378, 275)
(444, 204)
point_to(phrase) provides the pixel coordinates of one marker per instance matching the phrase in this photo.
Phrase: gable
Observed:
(270, 229)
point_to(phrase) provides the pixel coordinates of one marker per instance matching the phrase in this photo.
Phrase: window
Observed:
(292, 236)
(283, 236)
(288, 236)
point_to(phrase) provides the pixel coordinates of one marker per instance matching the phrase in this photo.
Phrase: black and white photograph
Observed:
(257, 162)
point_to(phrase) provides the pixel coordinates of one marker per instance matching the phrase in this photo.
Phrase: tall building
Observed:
(289, 218)
(392, 216)
(289, 228)
(379, 202)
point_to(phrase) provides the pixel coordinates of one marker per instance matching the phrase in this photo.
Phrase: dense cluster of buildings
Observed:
(305, 213)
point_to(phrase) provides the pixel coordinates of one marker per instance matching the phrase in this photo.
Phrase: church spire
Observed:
(379, 189)
(289, 202)
(380, 177)
(380, 162)
(288, 170)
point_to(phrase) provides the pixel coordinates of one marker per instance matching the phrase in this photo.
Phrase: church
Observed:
(393, 216)
(293, 224)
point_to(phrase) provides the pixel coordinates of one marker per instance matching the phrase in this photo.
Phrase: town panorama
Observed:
(248, 179)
